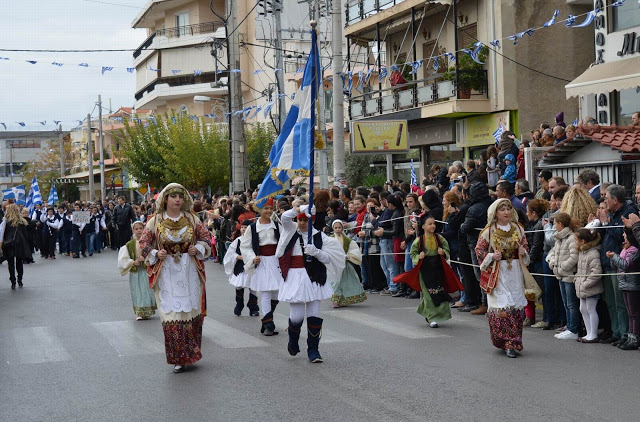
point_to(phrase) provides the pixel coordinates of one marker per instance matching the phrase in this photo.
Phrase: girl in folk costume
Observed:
(238, 277)
(130, 261)
(305, 283)
(502, 250)
(175, 244)
(434, 305)
(258, 247)
(348, 289)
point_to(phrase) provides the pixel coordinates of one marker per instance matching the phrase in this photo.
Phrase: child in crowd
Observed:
(588, 282)
(510, 170)
(562, 260)
(629, 284)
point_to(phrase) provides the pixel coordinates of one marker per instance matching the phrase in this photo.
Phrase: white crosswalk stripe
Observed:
(39, 345)
(387, 325)
(228, 337)
(127, 339)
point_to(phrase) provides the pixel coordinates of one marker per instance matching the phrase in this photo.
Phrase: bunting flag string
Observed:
(553, 19)
(590, 17)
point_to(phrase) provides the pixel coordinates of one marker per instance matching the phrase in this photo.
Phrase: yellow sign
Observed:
(479, 130)
(380, 136)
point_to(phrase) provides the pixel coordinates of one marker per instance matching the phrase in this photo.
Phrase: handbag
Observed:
(412, 277)
(532, 290)
(489, 277)
(450, 281)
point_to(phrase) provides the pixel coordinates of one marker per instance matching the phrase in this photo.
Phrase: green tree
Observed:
(176, 149)
(260, 138)
(358, 170)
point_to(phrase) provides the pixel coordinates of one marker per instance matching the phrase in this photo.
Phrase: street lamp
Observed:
(113, 183)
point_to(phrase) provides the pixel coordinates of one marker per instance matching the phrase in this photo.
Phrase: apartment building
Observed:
(519, 86)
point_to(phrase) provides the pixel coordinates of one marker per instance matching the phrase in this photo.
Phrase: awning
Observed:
(606, 77)
(83, 176)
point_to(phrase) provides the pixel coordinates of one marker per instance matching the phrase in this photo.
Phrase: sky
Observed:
(32, 93)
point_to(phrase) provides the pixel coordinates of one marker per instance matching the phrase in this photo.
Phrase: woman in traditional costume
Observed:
(130, 261)
(258, 247)
(503, 252)
(175, 244)
(238, 277)
(348, 290)
(434, 305)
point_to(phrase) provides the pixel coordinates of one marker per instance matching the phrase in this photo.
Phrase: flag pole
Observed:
(314, 92)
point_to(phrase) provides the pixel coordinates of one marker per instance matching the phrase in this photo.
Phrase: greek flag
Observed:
(590, 17)
(415, 65)
(383, 74)
(436, 64)
(53, 195)
(571, 19)
(414, 177)
(575, 122)
(291, 152)
(496, 44)
(498, 133)
(474, 53)
(34, 195)
(17, 193)
(553, 19)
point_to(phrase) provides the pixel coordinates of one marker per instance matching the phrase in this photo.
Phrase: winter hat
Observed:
(560, 119)
(508, 157)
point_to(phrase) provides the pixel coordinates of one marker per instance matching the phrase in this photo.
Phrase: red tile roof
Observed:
(621, 138)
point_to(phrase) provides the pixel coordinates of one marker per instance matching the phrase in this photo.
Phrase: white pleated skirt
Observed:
(299, 288)
(267, 276)
(242, 280)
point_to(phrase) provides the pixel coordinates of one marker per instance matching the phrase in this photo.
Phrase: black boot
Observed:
(274, 304)
(239, 302)
(632, 343)
(252, 304)
(19, 282)
(13, 283)
(268, 327)
(314, 331)
(294, 336)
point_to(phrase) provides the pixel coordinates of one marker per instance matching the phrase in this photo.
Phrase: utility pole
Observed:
(338, 104)
(90, 157)
(282, 110)
(61, 142)
(239, 175)
(102, 182)
(322, 153)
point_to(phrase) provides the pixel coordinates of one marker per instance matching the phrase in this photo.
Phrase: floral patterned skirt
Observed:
(182, 341)
(505, 326)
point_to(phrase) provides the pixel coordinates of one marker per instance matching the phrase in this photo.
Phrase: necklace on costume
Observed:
(506, 242)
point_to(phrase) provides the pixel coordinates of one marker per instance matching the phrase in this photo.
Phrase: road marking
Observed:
(229, 337)
(387, 325)
(38, 345)
(126, 339)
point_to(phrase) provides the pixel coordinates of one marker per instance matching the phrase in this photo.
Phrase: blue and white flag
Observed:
(22, 124)
(473, 53)
(496, 44)
(590, 17)
(131, 69)
(43, 123)
(553, 19)
(617, 3)
(360, 81)
(571, 19)
(268, 107)
(106, 69)
(32, 61)
(451, 57)
(291, 151)
(414, 177)
(17, 193)
(4, 126)
(498, 133)
(57, 122)
(176, 71)
(197, 72)
(34, 195)
(575, 122)
(436, 64)
(84, 64)
(415, 66)
(53, 195)
(383, 74)
(57, 64)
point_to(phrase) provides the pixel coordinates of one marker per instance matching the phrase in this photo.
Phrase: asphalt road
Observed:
(71, 350)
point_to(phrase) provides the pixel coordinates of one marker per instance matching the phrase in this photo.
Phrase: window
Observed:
(628, 102)
(182, 21)
(467, 35)
(183, 110)
(625, 16)
(24, 144)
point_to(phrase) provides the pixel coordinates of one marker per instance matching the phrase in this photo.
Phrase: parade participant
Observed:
(348, 289)
(123, 217)
(258, 247)
(78, 234)
(130, 261)
(238, 277)
(175, 244)
(13, 242)
(35, 216)
(52, 223)
(429, 246)
(503, 253)
(305, 283)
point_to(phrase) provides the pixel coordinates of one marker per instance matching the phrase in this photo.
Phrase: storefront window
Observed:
(628, 101)
(625, 16)
(445, 154)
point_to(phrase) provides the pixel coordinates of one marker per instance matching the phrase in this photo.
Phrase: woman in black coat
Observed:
(13, 238)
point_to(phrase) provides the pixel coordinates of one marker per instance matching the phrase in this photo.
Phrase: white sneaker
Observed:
(568, 335)
(433, 324)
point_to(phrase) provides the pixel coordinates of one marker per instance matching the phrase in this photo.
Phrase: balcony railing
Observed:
(179, 31)
(416, 94)
(180, 80)
(356, 10)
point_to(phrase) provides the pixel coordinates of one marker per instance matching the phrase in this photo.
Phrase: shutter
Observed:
(467, 35)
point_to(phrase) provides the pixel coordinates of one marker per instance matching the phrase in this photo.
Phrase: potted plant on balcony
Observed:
(472, 76)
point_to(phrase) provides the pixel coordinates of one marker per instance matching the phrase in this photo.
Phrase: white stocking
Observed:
(296, 312)
(592, 331)
(265, 300)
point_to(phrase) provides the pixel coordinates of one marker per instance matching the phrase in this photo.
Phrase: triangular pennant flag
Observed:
(106, 69)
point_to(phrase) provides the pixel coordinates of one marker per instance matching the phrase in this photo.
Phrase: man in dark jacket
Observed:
(123, 217)
(391, 226)
(612, 241)
(476, 220)
(473, 295)
(590, 180)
